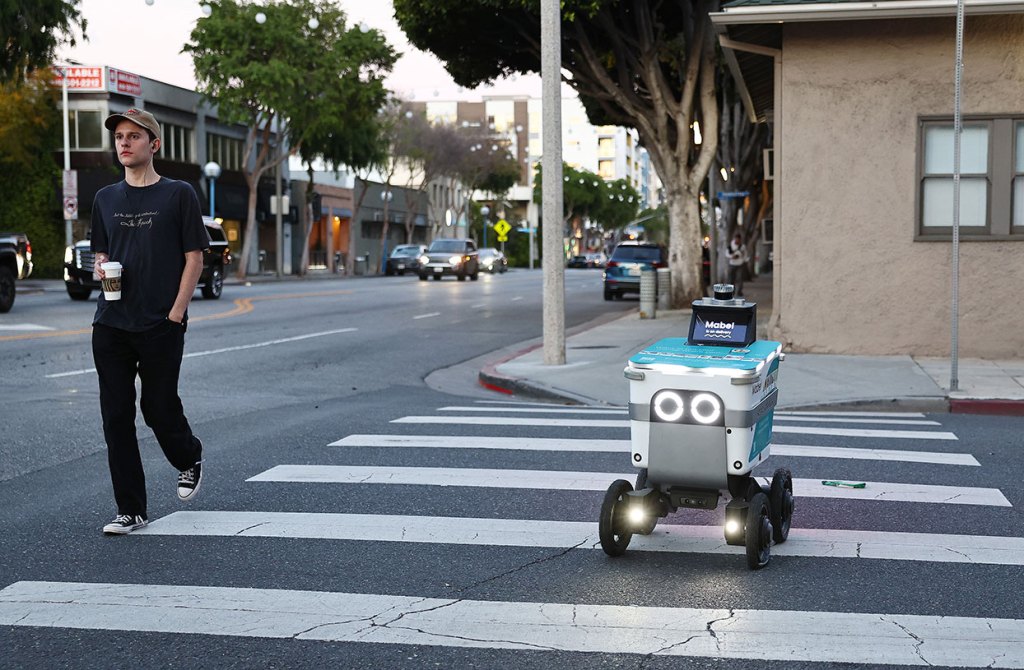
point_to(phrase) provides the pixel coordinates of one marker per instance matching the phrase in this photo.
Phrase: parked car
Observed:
(622, 272)
(15, 265)
(492, 260)
(405, 257)
(579, 261)
(81, 282)
(452, 257)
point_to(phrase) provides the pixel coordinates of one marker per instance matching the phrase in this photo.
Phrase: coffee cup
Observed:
(111, 280)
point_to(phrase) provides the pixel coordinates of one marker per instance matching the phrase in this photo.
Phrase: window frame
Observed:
(1001, 170)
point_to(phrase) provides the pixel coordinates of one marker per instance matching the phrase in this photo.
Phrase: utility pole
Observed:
(551, 187)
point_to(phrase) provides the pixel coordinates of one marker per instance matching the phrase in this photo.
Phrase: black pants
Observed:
(155, 356)
(737, 273)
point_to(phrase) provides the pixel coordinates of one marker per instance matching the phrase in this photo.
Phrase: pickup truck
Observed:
(15, 264)
(81, 282)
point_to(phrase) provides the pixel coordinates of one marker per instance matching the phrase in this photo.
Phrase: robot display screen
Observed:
(716, 329)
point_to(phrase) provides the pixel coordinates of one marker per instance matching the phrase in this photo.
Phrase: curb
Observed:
(989, 406)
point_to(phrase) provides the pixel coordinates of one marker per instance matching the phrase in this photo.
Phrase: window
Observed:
(606, 146)
(1018, 179)
(225, 151)
(606, 169)
(177, 143)
(85, 129)
(991, 179)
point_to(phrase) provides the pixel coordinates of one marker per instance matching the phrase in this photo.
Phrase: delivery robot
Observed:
(700, 416)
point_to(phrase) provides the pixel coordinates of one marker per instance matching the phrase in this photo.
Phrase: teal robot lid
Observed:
(679, 351)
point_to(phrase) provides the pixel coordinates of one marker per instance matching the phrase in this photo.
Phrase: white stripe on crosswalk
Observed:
(624, 423)
(620, 411)
(623, 446)
(476, 442)
(667, 537)
(24, 327)
(599, 481)
(790, 635)
(828, 419)
(892, 415)
(539, 410)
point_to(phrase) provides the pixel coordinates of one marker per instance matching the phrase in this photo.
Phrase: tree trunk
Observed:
(684, 255)
(250, 228)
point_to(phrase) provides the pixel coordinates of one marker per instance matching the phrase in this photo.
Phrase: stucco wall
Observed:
(851, 277)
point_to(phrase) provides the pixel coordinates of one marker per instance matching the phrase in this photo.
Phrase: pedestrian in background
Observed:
(737, 264)
(153, 227)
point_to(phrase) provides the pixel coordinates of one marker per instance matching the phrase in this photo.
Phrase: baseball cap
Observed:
(137, 116)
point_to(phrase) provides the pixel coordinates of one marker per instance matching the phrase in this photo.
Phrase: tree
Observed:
(588, 197)
(740, 152)
(299, 77)
(31, 31)
(29, 129)
(637, 63)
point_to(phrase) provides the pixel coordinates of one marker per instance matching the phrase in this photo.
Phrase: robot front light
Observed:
(732, 526)
(637, 515)
(706, 408)
(668, 406)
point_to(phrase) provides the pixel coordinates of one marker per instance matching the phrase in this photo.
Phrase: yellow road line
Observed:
(242, 306)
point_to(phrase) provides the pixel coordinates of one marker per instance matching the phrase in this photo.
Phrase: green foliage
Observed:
(31, 31)
(587, 196)
(29, 129)
(301, 74)
(322, 81)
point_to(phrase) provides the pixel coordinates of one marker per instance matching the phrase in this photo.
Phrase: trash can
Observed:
(361, 264)
(664, 288)
(648, 292)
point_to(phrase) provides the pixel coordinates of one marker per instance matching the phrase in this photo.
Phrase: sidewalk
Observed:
(595, 358)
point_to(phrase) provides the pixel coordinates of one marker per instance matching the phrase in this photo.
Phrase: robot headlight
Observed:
(668, 406)
(692, 407)
(706, 408)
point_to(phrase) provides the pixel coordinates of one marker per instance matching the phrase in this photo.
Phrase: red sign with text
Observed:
(89, 78)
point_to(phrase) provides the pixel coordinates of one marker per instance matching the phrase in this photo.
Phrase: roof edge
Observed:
(851, 11)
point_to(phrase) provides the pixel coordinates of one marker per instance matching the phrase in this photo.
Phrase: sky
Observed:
(114, 32)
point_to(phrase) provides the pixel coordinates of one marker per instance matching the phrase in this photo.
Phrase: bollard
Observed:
(648, 292)
(664, 287)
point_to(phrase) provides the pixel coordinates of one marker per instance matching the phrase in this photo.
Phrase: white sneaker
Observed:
(124, 524)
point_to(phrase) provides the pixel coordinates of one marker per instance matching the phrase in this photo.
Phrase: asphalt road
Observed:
(323, 439)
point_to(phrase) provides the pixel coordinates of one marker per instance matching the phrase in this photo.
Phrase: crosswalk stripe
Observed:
(599, 481)
(620, 411)
(621, 423)
(790, 635)
(667, 537)
(566, 409)
(883, 415)
(623, 446)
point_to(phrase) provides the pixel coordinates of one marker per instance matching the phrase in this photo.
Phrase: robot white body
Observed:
(701, 411)
(724, 423)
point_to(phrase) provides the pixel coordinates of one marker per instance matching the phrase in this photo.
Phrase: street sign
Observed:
(502, 227)
(70, 184)
(70, 209)
(729, 195)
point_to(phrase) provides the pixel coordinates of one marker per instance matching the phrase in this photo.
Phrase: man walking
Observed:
(153, 227)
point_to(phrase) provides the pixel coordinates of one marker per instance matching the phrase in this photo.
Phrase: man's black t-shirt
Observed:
(148, 230)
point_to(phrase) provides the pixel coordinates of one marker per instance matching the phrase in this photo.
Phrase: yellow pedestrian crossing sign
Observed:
(502, 227)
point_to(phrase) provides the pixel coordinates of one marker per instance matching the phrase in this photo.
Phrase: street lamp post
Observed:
(484, 211)
(212, 172)
(67, 145)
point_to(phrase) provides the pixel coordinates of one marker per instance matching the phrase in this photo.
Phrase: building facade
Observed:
(862, 100)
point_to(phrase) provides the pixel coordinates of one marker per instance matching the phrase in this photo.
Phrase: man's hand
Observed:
(98, 260)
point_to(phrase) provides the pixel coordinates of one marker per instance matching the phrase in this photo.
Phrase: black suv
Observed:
(449, 256)
(80, 281)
